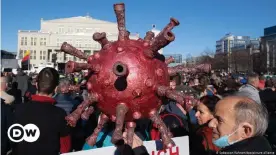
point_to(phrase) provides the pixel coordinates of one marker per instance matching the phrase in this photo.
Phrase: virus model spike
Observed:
(171, 94)
(91, 140)
(130, 132)
(72, 67)
(69, 49)
(195, 69)
(121, 111)
(166, 139)
(76, 115)
(101, 38)
(120, 15)
(86, 114)
(149, 36)
(164, 37)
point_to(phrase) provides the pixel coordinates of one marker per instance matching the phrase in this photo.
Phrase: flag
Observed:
(26, 60)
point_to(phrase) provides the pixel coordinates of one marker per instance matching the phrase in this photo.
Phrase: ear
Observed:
(247, 130)
(56, 90)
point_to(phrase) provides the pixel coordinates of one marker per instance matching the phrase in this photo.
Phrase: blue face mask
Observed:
(224, 140)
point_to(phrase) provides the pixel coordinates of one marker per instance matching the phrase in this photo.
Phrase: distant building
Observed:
(268, 50)
(243, 59)
(8, 60)
(7, 55)
(77, 31)
(192, 61)
(231, 42)
(177, 59)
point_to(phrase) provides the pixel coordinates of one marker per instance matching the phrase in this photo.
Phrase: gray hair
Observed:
(256, 114)
(63, 83)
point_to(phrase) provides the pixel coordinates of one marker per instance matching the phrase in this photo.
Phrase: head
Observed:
(63, 86)
(237, 118)
(4, 83)
(253, 79)
(172, 84)
(47, 81)
(205, 109)
(191, 83)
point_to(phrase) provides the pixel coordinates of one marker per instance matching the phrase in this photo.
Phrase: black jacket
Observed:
(6, 121)
(248, 146)
(51, 122)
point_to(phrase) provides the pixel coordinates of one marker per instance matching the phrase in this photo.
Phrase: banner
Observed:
(26, 60)
(153, 148)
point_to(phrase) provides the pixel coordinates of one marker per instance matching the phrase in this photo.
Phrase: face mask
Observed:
(224, 140)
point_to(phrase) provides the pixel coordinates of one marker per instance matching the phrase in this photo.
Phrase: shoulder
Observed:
(59, 111)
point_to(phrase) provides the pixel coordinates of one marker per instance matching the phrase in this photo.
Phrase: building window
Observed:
(20, 54)
(61, 29)
(34, 41)
(25, 40)
(40, 52)
(43, 57)
(22, 40)
(31, 55)
(40, 57)
(44, 41)
(44, 52)
(41, 41)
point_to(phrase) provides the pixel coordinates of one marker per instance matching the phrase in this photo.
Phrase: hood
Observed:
(171, 107)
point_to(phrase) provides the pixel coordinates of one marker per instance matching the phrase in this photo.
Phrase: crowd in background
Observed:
(236, 113)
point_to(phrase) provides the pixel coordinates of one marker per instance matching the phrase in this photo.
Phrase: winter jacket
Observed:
(257, 144)
(250, 92)
(22, 80)
(65, 101)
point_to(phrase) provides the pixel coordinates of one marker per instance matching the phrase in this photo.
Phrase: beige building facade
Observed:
(77, 31)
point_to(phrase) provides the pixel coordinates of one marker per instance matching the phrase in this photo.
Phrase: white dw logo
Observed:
(18, 133)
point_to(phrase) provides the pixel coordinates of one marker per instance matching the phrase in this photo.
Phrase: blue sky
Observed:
(202, 22)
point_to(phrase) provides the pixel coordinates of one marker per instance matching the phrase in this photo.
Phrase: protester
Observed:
(16, 93)
(54, 132)
(63, 97)
(239, 125)
(251, 89)
(6, 116)
(8, 99)
(201, 138)
(22, 79)
(31, 89)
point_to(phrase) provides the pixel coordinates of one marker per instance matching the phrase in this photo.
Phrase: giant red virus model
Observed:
(127, 80)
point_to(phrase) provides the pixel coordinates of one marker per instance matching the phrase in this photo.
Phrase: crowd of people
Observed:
(236, 114)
